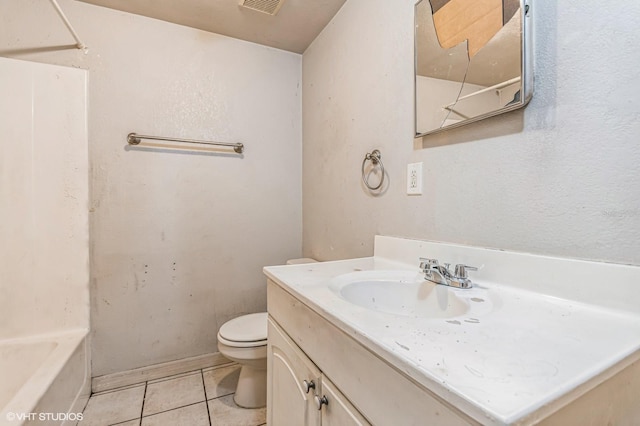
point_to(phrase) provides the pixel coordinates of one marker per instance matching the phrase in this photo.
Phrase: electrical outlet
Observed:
(414, 179)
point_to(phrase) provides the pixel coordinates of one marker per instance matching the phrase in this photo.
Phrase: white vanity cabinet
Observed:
(339, 412)
(362, 388)
(298, 393)
(290, 378)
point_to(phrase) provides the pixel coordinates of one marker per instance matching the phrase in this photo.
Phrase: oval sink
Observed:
(399, 293)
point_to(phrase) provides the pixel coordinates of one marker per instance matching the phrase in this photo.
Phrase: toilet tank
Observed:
(300, 261)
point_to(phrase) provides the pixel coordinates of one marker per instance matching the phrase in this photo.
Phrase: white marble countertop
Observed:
(531, 352)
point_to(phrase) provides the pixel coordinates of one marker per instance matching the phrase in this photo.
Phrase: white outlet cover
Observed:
(414, 179)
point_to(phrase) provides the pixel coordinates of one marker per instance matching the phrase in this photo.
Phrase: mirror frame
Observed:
(526, 71)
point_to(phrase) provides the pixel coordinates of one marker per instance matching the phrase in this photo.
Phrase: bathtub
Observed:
(44, 379)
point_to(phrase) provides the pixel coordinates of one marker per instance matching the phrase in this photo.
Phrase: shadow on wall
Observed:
(176, 149)
(30, 50)
(502, 125)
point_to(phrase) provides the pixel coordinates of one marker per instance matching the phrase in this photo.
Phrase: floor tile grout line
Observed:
(173, 409)
(186, 403)
(124, 421)
(206, 401)
(220, 396)
(144, 397)
(115, 390)
(162, 379)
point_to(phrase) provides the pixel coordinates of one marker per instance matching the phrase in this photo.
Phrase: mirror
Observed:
(472, 61)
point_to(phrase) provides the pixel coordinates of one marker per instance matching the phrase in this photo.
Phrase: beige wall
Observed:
(560, 177)
(178, 239)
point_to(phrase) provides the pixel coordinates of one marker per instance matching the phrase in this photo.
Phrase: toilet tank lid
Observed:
(246, 328)
(301, 261)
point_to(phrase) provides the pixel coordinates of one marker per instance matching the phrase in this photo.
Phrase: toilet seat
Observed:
(235, 344)
(246, 331)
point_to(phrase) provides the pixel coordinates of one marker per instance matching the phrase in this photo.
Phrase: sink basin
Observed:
(403, 293)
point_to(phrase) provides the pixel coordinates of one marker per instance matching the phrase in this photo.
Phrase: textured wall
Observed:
(560, 178)
(178, 238)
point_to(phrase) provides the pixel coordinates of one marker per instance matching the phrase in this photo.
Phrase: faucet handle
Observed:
(426, 263)
(461, 270)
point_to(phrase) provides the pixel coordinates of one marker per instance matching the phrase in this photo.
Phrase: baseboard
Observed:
(156, 371)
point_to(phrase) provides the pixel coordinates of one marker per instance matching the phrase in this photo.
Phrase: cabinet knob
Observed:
(321, 401)
(308, 385)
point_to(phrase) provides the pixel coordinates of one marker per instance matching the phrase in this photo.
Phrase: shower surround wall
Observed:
(44, 239)
(44, 262)
(178, 238)
(560, 177)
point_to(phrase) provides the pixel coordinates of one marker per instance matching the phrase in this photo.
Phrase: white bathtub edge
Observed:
(30, 394)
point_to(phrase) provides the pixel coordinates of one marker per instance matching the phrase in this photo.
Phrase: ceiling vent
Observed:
(270, 7)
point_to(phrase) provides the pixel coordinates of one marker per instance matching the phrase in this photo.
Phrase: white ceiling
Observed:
(295, 26)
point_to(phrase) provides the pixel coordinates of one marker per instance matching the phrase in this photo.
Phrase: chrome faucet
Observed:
(440, 274)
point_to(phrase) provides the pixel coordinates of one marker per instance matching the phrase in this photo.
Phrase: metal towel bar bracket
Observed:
(376, 158)
(135, 139)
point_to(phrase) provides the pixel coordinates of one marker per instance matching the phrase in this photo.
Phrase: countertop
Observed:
(532, 351)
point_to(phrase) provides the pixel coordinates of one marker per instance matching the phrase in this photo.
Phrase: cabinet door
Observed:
(339, 411)
(288, 401)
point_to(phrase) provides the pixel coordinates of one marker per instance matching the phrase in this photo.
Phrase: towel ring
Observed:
(376, 158)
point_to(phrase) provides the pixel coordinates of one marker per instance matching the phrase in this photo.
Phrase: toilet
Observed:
(244, 340)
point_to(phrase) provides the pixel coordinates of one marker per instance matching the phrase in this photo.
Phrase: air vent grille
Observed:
(270, 7)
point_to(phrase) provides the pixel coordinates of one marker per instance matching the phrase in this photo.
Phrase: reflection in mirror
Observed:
(471, 61)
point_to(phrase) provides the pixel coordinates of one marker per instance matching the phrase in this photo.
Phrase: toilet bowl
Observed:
(244, 340)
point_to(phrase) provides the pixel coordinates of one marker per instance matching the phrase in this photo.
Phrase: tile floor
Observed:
(198, 398)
